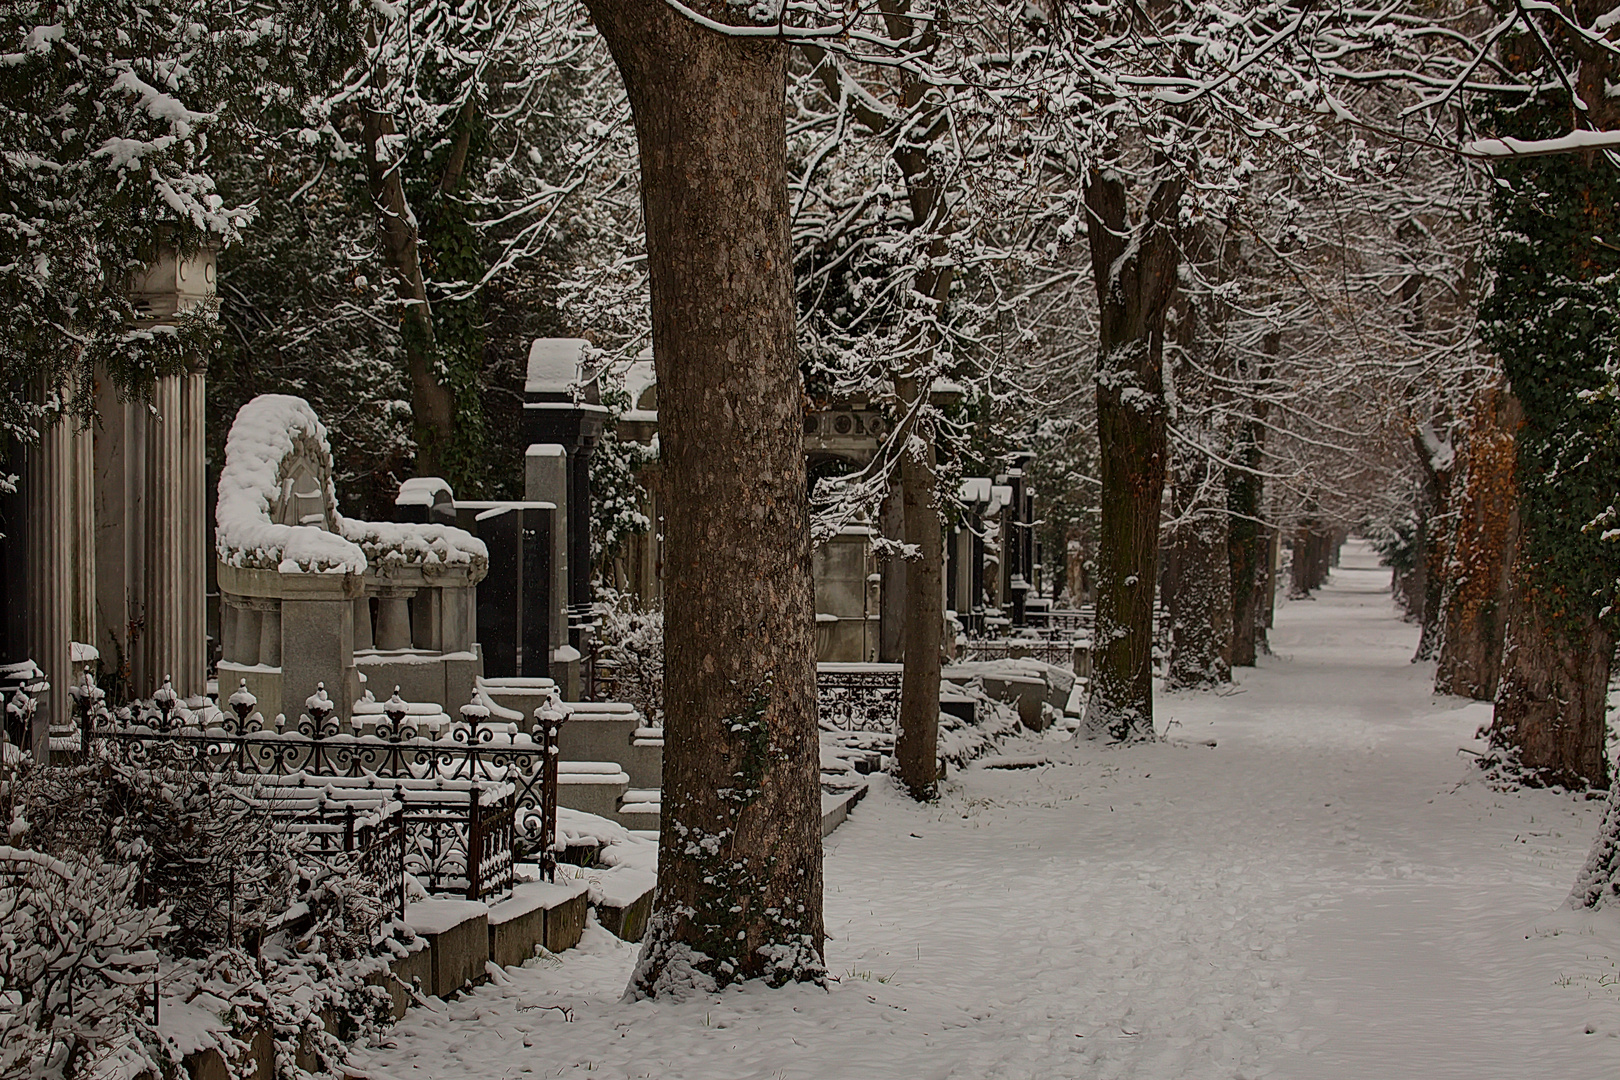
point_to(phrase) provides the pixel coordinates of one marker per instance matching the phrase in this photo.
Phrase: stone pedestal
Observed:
(546, 480)
(317, 639)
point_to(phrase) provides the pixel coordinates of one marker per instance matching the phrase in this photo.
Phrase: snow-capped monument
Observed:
(298, 580)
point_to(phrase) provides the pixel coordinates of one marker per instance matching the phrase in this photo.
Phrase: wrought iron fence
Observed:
(859, 698)
(1058, 653)
(477, 786)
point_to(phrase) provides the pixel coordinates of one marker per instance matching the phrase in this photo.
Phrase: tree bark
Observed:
(1134, 269)
(1248, 542)
(1300, 562)
(1474, 602)
(433, 406)
(1551, 713)
(916, 744)
(1200, 596)
(739, 872)
(1432, 548)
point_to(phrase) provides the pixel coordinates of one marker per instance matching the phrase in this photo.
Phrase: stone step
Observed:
(623, 898)
(537, 913)
(595, 787)
(835, 808)
(640, 808)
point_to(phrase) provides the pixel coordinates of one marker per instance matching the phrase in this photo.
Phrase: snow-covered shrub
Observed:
(77, 956)
(273, 932)
(632, 640)
(205, 847)
(1598, 884)
(993, 720)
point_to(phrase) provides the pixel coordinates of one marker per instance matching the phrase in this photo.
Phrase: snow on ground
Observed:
(1326, 893)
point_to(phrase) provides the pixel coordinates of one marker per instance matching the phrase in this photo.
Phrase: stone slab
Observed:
(457, 932)
(645, 763)
(835, 808)
(411, 970)
(537, 913)
(593, 736)
(623, 898)
(592, 793)
(565, 923)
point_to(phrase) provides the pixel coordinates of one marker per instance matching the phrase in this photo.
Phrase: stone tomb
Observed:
(309, 597)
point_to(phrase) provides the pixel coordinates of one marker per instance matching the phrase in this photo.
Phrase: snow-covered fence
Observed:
(1058, 653)
(368, 828)
(472, 792)
(858, 697)
(1074, 622)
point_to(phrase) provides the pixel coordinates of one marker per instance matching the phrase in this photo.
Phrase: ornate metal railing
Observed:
(1058, 653)
(858, 697)
(1064, 621)
(502, 781)
(373, 836)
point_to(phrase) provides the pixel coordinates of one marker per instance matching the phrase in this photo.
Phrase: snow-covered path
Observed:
(1324, 893)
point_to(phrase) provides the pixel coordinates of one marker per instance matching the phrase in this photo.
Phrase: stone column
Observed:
(427, 621)
(173, 538)
(976, 597)
(227, 628)
(579, 542)
(120, 524)
(1015, 547)
(49, 524)
(362, 624)
(537, 590)
(191, 664)
(546, 480)
(270, 634)
(163, 605)
(249, 625)
(393, 618)
(83, 546)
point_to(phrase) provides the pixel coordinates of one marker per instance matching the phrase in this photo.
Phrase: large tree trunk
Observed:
(433, 406)
(1248, 542)
(739, 862)
(916, 745)
(1474, 603)
(1201, 605)
(1197, 593)
(1551, 714)
(1300, 562)
(1435, 462)
(1134, 268)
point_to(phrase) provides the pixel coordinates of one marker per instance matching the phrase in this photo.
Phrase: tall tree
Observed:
(1248, 540)
(1553, 316)
(1475, 598)
(113, 114)
(1134, 259)
(739, 891)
